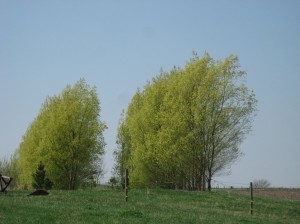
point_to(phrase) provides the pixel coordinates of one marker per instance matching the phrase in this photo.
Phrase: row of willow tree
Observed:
(186, 125)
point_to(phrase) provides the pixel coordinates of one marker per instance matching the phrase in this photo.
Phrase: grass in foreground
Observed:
(152, 206)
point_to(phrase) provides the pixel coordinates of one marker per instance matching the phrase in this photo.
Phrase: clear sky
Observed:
(119, 45)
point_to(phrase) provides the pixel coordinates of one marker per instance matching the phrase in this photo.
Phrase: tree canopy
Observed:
(66, 136)
(186, 125)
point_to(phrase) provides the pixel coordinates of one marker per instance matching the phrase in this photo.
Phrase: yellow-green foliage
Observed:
(187, 124)
(66, 136)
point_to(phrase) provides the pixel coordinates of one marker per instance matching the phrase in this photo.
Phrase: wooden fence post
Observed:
(251, 198)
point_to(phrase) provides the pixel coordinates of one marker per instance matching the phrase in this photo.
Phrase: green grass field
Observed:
(144, 206)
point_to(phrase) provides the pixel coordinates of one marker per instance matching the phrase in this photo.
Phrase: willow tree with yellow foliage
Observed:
(186, 125)
(66, 136)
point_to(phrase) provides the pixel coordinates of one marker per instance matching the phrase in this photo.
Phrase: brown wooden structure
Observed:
(4, 182)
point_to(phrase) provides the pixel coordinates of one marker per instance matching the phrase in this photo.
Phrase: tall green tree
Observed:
(67, 136)
(187, 124)
(223, 113)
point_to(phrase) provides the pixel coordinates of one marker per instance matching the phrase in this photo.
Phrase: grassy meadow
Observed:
(144, 206)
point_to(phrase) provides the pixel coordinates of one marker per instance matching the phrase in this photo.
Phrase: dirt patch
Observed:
(283, 194)
(39, 192)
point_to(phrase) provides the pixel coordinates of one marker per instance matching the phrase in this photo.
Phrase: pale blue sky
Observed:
(119, 45)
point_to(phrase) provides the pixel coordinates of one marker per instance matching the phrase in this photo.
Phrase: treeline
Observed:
(186, 125)
(180, 130)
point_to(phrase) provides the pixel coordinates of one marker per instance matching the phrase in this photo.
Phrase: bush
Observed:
(113, 181)
(40, 181)
(261, 183)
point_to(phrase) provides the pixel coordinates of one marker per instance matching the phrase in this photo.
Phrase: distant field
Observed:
(145, 206)
(275, 193)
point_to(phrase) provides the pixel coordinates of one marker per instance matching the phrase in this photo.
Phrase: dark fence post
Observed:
(251, 198)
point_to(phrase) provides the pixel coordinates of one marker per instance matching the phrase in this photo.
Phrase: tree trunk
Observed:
(209, 184)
